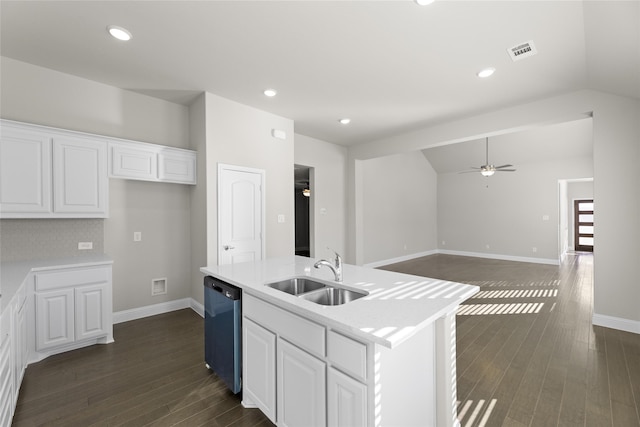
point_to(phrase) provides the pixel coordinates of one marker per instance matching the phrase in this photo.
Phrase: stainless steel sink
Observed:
(297, 285)
(333, 296)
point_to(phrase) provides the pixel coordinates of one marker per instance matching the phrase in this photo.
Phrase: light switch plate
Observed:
(280, 218)
(137, 236)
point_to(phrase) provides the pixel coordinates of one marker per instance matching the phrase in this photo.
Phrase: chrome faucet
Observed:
(336, 267)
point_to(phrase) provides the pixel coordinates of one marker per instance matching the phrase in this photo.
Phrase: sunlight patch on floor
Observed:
(514, 308)
(475, 411)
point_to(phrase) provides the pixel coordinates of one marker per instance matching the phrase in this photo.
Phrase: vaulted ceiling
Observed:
(390, 66)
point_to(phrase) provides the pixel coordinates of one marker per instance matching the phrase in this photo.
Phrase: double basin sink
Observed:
(317, 292)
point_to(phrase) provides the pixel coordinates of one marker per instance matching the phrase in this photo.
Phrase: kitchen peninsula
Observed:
(386, 359)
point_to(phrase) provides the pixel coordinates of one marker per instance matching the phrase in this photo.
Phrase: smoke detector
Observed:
(522, 50)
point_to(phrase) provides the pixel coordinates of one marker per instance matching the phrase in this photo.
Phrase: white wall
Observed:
(199, 202)
(505, 211)
(161, 211)
(240, 135)
(399, 207)
(328, 197)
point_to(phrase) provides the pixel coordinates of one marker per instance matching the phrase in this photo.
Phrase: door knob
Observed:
(227, 247)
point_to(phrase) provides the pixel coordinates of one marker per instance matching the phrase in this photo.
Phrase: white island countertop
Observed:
(396, 307)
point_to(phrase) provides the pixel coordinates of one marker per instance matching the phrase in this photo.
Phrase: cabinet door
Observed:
(347, 400)
(80, 182)
(133, 162)
(177, 166)
(259, 368)
(91, 313)
(301, 387)
(25, 172)
(20, 340)
(54, 318)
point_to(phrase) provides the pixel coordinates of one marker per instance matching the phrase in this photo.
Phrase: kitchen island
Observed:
(387, 359)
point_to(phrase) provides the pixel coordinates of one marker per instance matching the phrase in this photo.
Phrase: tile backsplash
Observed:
(25, 239)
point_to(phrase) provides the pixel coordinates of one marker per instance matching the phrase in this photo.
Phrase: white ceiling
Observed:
(391, 66)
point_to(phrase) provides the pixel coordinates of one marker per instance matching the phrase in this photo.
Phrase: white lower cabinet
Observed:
(301, 387)
(91, 311)
(346, 400)
(73, 306)
(20, 341)
(54, 318)
(291, 375)
(7, 389)
(259, 379)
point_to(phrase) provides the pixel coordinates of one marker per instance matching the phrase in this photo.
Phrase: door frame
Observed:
(222, 167)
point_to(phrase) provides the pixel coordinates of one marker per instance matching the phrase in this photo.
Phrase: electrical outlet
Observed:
(281, 219)
(83, 246)
(535, 249)
(487, 246)
(137, 236)
(444, 243)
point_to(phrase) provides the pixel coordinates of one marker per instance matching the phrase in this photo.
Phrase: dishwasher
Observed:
(223, 331)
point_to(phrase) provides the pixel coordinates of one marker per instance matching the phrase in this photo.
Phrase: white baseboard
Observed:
(197, 307)
(502, 257)
(152, 310)
(399, 259)
(621, 324)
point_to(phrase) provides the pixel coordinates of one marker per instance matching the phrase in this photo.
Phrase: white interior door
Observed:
(240, 214)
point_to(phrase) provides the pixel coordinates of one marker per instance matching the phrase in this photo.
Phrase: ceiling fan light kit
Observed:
(488, 169)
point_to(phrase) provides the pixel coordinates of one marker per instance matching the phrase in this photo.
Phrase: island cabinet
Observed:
(385, 359)
(290, 376)
(73, 309)
(302, 373)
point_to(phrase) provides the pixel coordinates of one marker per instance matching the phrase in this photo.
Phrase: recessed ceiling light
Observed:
(345, 121)
(270, 92)
(119, 33)
(483, 74)
(424, 2)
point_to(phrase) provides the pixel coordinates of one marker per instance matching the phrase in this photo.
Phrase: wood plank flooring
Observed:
(527, 352)
(527, 356)
(153, 374)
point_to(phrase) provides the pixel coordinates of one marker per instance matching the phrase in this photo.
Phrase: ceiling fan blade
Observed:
(474, 171)
(503, 166)
(505, 170)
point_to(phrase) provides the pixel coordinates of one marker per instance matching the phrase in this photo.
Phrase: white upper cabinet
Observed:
(50, 173)
(133, 162)
(25, 171)
(151, 162)
(80, 181)
(177, 166)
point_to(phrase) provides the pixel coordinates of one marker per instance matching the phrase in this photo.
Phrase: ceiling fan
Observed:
(488, 169)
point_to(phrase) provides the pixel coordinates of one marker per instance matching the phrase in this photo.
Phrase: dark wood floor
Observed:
(153, 374)
(527, 352)
(527, 356)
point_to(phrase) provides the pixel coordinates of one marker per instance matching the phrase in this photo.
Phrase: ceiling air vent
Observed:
(523, 50)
